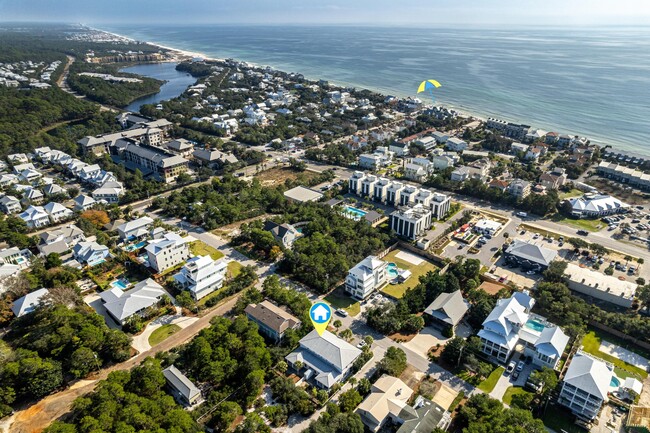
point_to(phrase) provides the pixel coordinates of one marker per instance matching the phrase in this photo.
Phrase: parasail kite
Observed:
(429, 85)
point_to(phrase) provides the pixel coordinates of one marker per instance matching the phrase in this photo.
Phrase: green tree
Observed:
(53, 260)
(393, 362)
(185, 300)
(349, 400)
(83, 361)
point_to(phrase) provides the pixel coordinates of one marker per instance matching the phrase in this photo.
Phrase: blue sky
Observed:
(403, 12)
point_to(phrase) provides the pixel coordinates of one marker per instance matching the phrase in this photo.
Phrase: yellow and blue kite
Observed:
(429, 85)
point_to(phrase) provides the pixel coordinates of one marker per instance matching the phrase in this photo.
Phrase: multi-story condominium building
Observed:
(354, 183)
(606, 288)
(411, 222)
(152, 161)
(368, 185)
(271, 320)
(381, 189)
(102, 143)
(201, 276)
(585, 386)
(519, 188)
(627, 175)
(168, 251)
(407, 195)
(393, 193)
(455, 144)
(423, 197)
(516, 131)
(440, 205)
(367, 276)
(511, 323)
(497, 124)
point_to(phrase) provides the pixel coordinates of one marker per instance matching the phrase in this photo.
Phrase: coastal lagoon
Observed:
(592, 82)
(175, 82)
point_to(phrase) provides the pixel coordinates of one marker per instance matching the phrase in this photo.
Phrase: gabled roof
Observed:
(180, 382)
(335, 351)
(589, 374)
(448, 307)
(122, 304)
(28, 303)
(596, 203)
(135, 224)
(531, 252)
(552, 341)
(272, 316)
(389, 395)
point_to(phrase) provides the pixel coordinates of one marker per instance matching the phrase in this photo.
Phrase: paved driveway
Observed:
(425, 340)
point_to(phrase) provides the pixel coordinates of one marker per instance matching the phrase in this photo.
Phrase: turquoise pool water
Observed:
(535, 325)
(392, 270)
(137, 246)
(615, 383)
(119, 284)
(355, 213)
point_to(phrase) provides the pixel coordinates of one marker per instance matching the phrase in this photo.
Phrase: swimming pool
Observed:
(392, 270)
(354, 213)
(119, 284)
(137, 246)
(615, 382)
(535, 325)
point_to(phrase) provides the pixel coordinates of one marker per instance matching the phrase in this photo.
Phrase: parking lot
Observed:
(635, 226)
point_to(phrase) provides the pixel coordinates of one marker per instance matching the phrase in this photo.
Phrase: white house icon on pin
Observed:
(320, 314)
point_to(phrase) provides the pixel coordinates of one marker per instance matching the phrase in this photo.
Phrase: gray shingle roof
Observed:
(448, 307)
(531, 252)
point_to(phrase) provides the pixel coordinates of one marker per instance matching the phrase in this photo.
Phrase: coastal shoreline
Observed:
(180, 55)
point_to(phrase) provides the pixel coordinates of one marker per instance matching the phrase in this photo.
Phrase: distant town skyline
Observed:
(366, 12)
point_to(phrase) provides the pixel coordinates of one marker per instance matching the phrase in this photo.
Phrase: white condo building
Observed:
(168, 251)
(411, 222)
(367, 276)
(440, 205)
(201, 276)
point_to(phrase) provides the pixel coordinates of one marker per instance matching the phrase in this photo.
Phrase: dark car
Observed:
(583, 232)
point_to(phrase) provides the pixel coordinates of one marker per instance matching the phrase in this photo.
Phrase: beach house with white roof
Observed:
(168, 251)
(325, 360)
(35, 217)
(121, 305)
(585, 386)
(136, 228)
(29, 303)
(201, 276)
(57, 212)
(365, 277)
(511, 323)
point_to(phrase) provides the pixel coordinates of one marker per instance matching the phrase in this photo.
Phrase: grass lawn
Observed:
(488, 384)
(398, 290)
(591, 344)
(234, 268)
(200, 248)
(560, 420)
(573, 193)
(513, 390)
(338, 300)
(584, 224)
(160, 334)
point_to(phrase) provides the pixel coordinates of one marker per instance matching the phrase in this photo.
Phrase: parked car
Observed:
(361, 344)
(511, 367)
(342, 312)
(583, 232)
(520, 365)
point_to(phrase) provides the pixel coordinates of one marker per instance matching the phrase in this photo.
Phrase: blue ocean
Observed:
(591, 82)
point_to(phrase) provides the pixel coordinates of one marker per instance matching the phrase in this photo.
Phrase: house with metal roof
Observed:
(366, 276)
(35, 217)
(29, 302)
(57, 212)
(123, 304)
(284, 233)
(447, 310)
(271, 320)
(84, 202)
(90, 253)
(529, 255)
(596, 205)
(325, 360)
(511, 323)
(182, 389)
(10, 204)
(136, 228)
(167, 251)
(585, 385)
(201, 276)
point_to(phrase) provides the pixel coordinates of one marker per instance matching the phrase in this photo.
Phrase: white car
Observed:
(342, 312)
